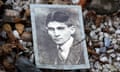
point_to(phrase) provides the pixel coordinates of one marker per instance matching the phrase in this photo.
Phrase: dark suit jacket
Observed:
(75, 55)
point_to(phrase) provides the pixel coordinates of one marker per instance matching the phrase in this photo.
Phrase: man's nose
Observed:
(57, 33)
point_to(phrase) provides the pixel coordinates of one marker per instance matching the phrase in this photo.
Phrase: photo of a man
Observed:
(58, 37)
(61, 28)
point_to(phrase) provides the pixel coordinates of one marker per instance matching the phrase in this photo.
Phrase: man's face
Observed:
(60, 32)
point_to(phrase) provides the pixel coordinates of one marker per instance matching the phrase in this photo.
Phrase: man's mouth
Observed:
(57, 39)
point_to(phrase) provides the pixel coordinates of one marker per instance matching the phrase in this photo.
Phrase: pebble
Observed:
(117, 65)
(93, 34)
(75, 1)
(107, 42)
(103, 50)
(97, 50)
(110, 50)
(118, 58)
(16, 34)
(103, 58)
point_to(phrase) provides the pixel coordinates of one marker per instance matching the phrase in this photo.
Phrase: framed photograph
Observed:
(58, 37)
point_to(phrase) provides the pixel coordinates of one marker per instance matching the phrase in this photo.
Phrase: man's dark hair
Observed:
(59, 16)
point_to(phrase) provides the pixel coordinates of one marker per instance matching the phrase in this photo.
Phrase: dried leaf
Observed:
(7, 27)
(19, 27)
(6, 48)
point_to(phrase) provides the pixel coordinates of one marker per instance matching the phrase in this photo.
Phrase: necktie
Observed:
(60, 54)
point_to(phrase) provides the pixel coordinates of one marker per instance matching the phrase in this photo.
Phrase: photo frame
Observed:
(45, 46)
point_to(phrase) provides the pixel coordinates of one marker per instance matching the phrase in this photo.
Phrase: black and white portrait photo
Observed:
(58, 37)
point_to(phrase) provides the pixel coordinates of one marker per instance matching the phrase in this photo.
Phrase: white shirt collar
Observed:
(66, 48)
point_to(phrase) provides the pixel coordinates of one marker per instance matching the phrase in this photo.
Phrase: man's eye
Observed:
(50, 28)
(61, 28)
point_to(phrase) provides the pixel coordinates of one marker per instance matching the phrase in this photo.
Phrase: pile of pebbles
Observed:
(102, 36)
(15, 36)
(103, 41)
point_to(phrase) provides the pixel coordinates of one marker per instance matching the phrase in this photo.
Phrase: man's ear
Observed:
(72, 29)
